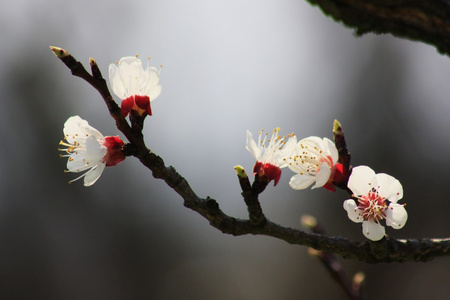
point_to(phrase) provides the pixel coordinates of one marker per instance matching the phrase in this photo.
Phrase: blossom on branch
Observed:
(270, 158)
(376, 196)
(134, 85)
(315, 161)
(87, 149)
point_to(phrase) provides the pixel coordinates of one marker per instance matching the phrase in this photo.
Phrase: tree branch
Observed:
(427, 21)
(386, 250)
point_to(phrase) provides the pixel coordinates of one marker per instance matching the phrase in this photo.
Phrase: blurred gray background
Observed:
(229, 66)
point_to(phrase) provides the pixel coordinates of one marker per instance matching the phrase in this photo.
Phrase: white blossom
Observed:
(136, 86)
(315, 161)
(270, 153)
(376, 199)
(88, 150)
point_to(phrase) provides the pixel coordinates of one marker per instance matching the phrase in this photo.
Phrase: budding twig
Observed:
(386, 250)
(250, 194)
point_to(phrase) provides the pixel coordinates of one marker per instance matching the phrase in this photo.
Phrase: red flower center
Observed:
(373, 206)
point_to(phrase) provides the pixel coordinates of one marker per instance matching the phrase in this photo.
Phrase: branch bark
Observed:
(386, 250)
(427, 21)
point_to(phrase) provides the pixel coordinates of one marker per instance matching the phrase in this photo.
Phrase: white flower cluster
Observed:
(87, 149)
(316, 162)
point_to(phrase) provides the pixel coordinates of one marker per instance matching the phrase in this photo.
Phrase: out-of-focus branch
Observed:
(386, 250)
(353, 288)
(427, 21)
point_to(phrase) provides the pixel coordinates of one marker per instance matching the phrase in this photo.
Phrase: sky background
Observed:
(228, 66)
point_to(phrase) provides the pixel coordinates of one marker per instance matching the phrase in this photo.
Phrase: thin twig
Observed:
(250, 194)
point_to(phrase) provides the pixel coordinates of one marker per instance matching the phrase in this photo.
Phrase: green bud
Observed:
(59, 52)
(337, 128)
(240, 171)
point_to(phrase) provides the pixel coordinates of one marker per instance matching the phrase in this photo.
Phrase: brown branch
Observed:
(427, 21)
(344, 156)
(341, 146)
(250, 194)
(386, 250)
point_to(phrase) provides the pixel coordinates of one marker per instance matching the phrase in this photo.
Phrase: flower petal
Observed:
(353, 212)
(77, 127)
(95, 152)
(116, 82)
(389, 187)
(372, 230)
(301, 182)
(76, 164)
(252, 147)
(93, 174)
(396, 216)
(323, 175)
(131, 70)
(153, 77)
(313, 140)
(287, 150)
(359, 180)
(154, 93)
(331, 147)
(85, 158)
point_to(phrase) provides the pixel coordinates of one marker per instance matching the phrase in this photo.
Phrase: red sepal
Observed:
(143, 102)
(114, 155)
(337, 178)
(127, 105)
(138, 103)
(270, 171)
